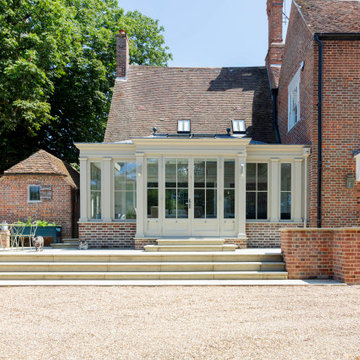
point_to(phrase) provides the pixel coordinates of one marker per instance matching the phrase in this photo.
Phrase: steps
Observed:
(190, 244)
(66, 244)
(138, 265)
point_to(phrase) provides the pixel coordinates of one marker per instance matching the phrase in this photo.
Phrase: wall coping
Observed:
(321, 229)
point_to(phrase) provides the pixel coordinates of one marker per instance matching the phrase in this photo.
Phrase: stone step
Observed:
(71, 240)
(94, 256)
(191, 248)
(67, 245)
(200, 275)
(143, 267)
(190, 241)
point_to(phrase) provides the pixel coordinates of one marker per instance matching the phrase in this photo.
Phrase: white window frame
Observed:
(294, 100)
(184, 126)
(34, 201)
(239, 126)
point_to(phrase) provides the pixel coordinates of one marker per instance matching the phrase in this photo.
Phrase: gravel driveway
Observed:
(320, 322)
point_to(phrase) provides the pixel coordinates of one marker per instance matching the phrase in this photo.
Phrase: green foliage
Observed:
(57, 70)
(39, 223)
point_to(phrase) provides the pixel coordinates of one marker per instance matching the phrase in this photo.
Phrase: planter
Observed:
(45, 231)
(4, 238)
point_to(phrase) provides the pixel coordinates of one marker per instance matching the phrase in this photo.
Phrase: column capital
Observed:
(83, 158)
(140, 154)
(107, 158)
(274, 159)
(299, 159)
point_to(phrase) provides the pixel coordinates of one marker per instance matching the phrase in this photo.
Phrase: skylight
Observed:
(183, 126)
(238, 126)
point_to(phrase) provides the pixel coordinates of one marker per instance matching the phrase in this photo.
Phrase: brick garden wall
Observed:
(14, 203)
(265, 234)
(322, 253)
(108, 235)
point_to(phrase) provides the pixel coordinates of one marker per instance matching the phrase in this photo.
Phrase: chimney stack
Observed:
(275, 21)
(122, 55)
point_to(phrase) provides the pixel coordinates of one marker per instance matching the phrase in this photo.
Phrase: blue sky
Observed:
(210, 32)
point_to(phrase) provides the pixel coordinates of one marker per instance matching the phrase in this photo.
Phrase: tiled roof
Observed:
(209, 97)
(44, 163)
(331, 16)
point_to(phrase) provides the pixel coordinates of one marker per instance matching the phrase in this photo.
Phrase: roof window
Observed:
(183, 126)
(238, 126)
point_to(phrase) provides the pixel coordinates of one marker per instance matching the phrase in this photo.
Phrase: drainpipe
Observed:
(275, 122)
(316, 38)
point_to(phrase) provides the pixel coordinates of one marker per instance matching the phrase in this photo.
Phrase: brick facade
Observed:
(322, 253)
(266, 234)
(108, 235)
(14, 205)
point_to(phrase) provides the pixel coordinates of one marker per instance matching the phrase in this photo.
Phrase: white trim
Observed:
(28, 197)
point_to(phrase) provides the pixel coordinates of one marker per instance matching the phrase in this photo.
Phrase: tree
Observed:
(57, 70)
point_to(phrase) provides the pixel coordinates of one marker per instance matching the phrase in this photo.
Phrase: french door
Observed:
(190, 197)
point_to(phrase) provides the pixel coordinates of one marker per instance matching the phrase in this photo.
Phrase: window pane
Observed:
(152, 173)
(119, 176)
(130, 205)
(285, 177)
(199, 174)
(182, 205)
(130, 176)
(95, 176)
(34, 193)
(170, 203)
(229, 174)
(152, 203)
(170, 173)
(211, 204)
(95, 205)
(251, 205)
(199, 204)
(285, 206)
(211, 174)
(229, 204)
(262, 176)
(262, 205)
(120, 205)
(250, 176)
(182, 173)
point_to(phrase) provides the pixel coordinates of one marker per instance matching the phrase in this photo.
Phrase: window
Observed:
(256, 191)
(153, 188)
(34, 193)
(294, 100)
(205, 189)
(183, 126)
(229, 189)
(285, 193)
(239, 126)
(95, 190)
(125, 190)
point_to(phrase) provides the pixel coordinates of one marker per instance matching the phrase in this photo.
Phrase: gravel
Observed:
(320, 322)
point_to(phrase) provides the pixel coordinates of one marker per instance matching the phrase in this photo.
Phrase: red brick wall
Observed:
(322, 253)
(108, 235)
(14, 204)
(266, 234)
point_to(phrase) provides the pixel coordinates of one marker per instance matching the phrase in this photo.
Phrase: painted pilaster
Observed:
(140, 203)
(297, 190)
(240, 178)
(106, 189)
(84, 186)
(274, 190)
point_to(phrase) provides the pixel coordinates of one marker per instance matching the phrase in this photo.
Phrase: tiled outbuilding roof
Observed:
(331, 16)
(44, 163)
(209, 97)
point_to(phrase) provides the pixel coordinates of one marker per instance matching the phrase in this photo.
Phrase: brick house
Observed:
(42, 187)
(232, 152)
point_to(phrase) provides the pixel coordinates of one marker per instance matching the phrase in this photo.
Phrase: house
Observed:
(232, 152)
(42, 187)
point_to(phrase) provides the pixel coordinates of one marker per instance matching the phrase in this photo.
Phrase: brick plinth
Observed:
(108, 235)
(265, 234)
(322, 253)
(140, 243)
(240, 243)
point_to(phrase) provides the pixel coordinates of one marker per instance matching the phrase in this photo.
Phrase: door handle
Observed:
(189, 203)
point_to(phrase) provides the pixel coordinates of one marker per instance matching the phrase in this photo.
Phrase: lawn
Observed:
(313, 322)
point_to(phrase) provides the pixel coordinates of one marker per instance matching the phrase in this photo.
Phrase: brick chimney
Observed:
(275, 21)
(122, 54)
